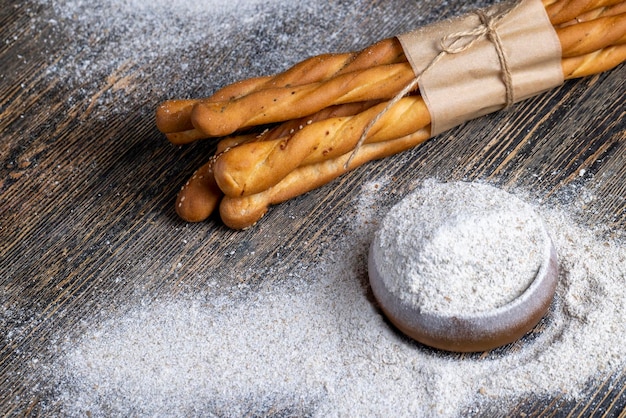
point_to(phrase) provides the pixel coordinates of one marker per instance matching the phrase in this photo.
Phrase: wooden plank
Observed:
(86, 204)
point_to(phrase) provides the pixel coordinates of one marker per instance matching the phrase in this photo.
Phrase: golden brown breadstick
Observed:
(276, 105)
(255, 166)
(199, 197)
(185, 137)
(594, 63)
(243, 212)
(613, 10)
(286, 128)
(174, 115)
(565, 10)
(291, 126)
(593, 35)
(321, 67)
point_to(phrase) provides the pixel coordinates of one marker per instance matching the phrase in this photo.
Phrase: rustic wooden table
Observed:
(87, 183)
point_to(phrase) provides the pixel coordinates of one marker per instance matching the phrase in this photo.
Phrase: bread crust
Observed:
(323, 105)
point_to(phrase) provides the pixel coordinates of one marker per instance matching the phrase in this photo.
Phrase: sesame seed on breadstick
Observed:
(199, 197)
(276, 105)
(254, 166)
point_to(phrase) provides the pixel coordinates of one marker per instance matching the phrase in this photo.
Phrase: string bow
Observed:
(451, 44)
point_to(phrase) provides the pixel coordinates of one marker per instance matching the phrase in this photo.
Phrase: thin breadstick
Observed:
(595, 62)
(276, 105)
(593, 35)
(291, 126)
(255, 166)
(199, 197)
(565, 10)
(321, 67)
(174, 115)
(185, 137)
(613, 10)
(243, 212)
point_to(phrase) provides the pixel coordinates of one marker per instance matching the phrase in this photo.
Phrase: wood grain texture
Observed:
(86, 194)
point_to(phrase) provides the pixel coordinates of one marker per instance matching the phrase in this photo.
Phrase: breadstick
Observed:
(243, 212)
(275, 105)
(174, 115)
(613, 10)
(382, 82)
(185, 137)
(321, 67)
(565, 10)
(255, 166)
(199, 197)
(593, 35)
(595, 62)
(290, 127)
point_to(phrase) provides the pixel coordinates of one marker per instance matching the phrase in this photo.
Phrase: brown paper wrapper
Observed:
(464, 85)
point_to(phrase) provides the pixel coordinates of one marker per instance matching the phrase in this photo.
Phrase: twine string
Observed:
(451, 44)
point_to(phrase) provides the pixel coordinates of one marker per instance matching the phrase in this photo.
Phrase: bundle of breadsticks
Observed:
(283, 135)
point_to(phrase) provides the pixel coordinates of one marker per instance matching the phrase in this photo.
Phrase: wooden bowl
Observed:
(479, 330)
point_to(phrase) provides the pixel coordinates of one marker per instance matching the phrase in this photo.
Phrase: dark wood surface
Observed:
(86, 193)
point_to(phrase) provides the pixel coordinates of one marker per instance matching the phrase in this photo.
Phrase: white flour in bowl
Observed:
(459, 248)
(315, 344)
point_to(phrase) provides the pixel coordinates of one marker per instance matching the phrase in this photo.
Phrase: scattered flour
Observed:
(459, 248)
(124, 54)
(305, 347)
(321, 348)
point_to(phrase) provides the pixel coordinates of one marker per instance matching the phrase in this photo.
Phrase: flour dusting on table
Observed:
(147, 51)
(314, 344)
(321, 348)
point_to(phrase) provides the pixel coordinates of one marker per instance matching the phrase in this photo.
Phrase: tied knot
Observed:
(451, 44)
(458, 42)
(455, 43)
